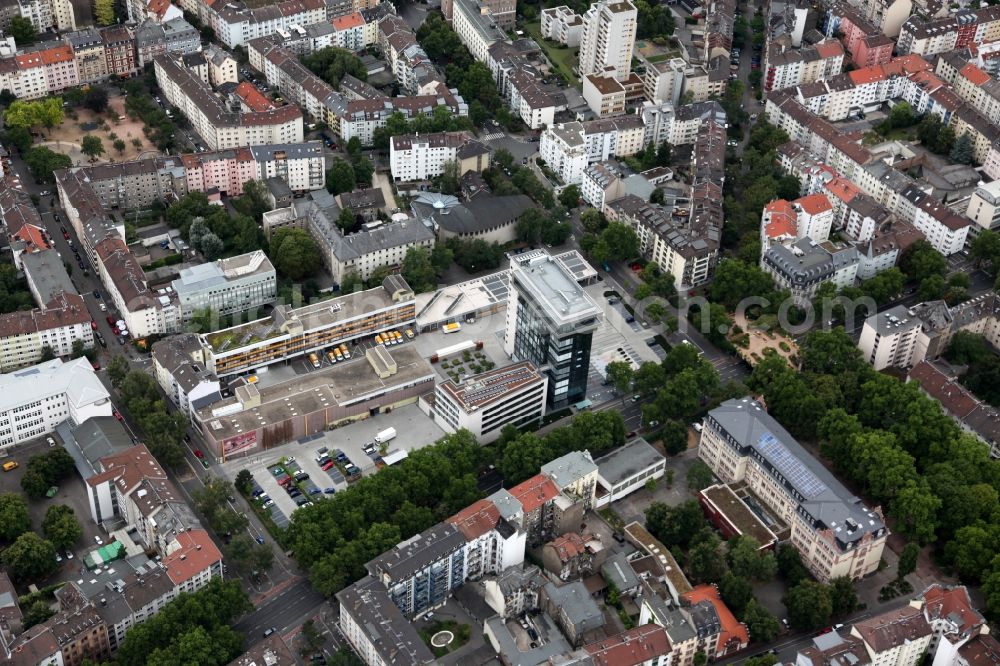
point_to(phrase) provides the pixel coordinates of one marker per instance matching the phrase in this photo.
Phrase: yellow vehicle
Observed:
(398, 336)
(7, 466)
(331, 357)
(343, 350)
(453, 327)
(409, 334)
(378, 339)
(314, 360)
(340, 357)
(252, 379)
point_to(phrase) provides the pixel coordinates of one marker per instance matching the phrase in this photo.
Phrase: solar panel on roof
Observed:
(790, 467)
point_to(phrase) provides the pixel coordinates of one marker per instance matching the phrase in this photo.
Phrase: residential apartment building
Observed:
(180, 369)
(227, 286)
(984, 207)
(235, 24)
(41, 397)
(568, 148)
(802, 266)
(414, 71)
(550, 322)
(604, 94)
(214, 122)
(476, 27)
(145, 311)
(88, 51)
(601, 185)
(564, 149)
(897, 638)
(75, 635)
(784, 221)
(864, 42)
(965, 27)
(953, 620)
(55, 325)
(561, 24)
(486, 402)
(787, 67)
(422, 157)
(609, 29)
(119, 50)
(834, 533)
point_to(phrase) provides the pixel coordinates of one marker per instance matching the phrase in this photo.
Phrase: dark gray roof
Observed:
(627, 461)
(394, 638)
(576, 604)
(822, 498)
(371, 197)
(417, 553)
(480, 214)
(617, 570)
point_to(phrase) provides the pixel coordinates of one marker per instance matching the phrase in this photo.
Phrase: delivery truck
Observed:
(385, 435)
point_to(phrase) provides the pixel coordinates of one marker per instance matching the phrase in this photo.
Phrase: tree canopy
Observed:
(295, 254)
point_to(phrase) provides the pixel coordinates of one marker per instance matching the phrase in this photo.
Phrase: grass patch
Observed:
(561, 58)
(461, 632)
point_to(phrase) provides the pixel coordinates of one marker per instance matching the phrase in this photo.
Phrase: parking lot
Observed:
(415, 430)
(72, 493)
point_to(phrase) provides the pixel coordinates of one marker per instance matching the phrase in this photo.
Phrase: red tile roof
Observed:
(843, 189)
(732, 630)
(974, 74)
(953, 603)
(535, 492)
(476, 519)
(955, 399)
(782, 221)
(829, 49)
(630, 648)
(347, 22)
(568, 546)
(32, 236)
(253, 98)
(189, 554)
(814, 204)
(61, 53)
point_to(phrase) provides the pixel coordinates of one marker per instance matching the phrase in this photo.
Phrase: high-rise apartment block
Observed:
(608, 37)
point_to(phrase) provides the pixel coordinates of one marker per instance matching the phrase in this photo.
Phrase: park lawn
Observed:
(562, 59)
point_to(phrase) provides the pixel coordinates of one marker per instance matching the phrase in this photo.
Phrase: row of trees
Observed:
(462, 71)
(938, 482)
(158, 127)
(194, 628)
(440, 119)
(164, 428)
(213, 230)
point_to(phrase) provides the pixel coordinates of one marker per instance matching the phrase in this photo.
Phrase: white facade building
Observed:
(609, 28)
(240, 283)
(483, 404)
(37, 399)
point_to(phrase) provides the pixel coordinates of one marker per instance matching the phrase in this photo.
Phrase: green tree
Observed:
(921, 261)
(705, 561)
(907, 560)
(674, 436)
(23, 31)
(363, 171)
(92, 146)
(104, 12)
(333, 63)
(14, 520)
(761, 625)
(347, 220)
(418, 271)
(809, 605)
(244, 481)
(620, 375)
(119, 145)
(96, 99)
(212, 500)
(340, 177)
(39, 611)
(963, 150)
(295, 254)
(312, 639)
(570, 196)
(675, 526)
(117, 368)
(843, 598)
(736, 592)
(30, 557)
(790, 565)
(44, 162)
(18, 137)
(249, 556)
(985, 249)
(699, 476)
(915, 509)
(973, 549)
(61, 527)
(747, 560)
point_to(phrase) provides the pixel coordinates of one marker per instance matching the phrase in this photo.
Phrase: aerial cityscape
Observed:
(500, 332)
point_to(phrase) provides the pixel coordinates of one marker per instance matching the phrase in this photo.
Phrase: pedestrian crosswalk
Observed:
(492, 137)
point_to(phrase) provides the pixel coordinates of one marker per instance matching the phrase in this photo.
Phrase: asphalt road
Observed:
(284, 611)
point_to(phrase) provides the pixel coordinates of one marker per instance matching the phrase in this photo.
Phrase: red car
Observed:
(97, 366)
(328, 465)
(114, 329)
(66, 235)
(118, 415)
(93, 324)
(110, 320)
(198, 453)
